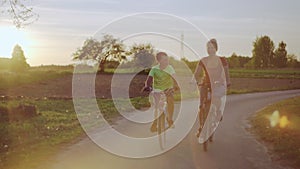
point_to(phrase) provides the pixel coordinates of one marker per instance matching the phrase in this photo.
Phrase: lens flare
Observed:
(283, 122)
(275, 120)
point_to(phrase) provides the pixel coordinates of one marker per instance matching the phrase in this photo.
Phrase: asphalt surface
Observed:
(233, 147)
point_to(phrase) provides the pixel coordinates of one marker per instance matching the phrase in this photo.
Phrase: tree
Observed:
(91, 49)
(292, 61)
(263, 52)
(21, 14)
(111, 64)
(137, 48)
(143, 59)
(109, 48)
(191, 64)
(243, 60)
(143, 55)
(113, 49)
(280, 57)
(236, 61)
(250, 64)
(233, 61)
(18, 60)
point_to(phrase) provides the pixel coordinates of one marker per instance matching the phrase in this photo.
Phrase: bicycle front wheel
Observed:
(161, 130)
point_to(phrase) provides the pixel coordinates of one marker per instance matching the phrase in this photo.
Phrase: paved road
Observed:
(233, 148)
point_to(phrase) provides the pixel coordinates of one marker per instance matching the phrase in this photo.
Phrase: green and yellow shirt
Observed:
(162, 79)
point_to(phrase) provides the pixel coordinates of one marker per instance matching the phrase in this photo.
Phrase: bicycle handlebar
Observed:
(146, 89)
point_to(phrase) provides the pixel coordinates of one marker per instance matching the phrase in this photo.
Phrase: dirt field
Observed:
(62, 87)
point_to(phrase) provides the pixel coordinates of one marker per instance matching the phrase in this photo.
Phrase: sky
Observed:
(63, 25)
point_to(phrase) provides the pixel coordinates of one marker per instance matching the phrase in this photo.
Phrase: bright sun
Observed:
(9, 37)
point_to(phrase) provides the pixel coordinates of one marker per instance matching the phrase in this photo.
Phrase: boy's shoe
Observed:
(198, 134)
(153, 127)
(170, 123)
(211, 138)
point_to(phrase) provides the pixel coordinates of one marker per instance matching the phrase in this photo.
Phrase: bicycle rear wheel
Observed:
(161, 130)
(202, 119)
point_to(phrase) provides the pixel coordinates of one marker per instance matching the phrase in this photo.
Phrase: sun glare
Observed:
(9, 37)
(275, 120)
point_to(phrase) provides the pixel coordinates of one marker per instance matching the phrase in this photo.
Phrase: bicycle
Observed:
(204, 110)
(160, 114)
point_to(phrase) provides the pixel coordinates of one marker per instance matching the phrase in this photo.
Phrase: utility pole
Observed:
(182, 46)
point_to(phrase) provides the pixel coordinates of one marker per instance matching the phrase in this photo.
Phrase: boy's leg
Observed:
(170, 102)
(203, 96)
(156, 97)
(153, 127)
(218, 102)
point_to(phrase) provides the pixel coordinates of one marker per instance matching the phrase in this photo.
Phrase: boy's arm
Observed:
(175, 86)
(198, 72)
(148, 84)
(174, 77)
(149, 81)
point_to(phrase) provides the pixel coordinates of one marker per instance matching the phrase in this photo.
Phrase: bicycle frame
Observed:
(203, 112)
(160, 113)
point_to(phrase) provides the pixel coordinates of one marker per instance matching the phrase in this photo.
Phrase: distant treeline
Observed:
(236, 61)
(17, 63)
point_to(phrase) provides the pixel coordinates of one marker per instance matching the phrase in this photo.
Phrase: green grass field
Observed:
(44, 73)
(243, 73)
(265, 73)
(25, 144)
(278, 125)
(10, 79)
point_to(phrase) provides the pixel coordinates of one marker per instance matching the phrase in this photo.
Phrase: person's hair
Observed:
(214, 43)
(159, 55)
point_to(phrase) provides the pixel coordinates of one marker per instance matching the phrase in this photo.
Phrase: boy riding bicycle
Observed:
(214, 81)
(161, 79)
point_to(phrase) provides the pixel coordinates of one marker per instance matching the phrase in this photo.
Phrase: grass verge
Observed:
(278, 126)
(10, 79)
(29, 143)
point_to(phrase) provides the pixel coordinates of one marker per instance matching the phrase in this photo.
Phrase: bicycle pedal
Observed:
(201, 140)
